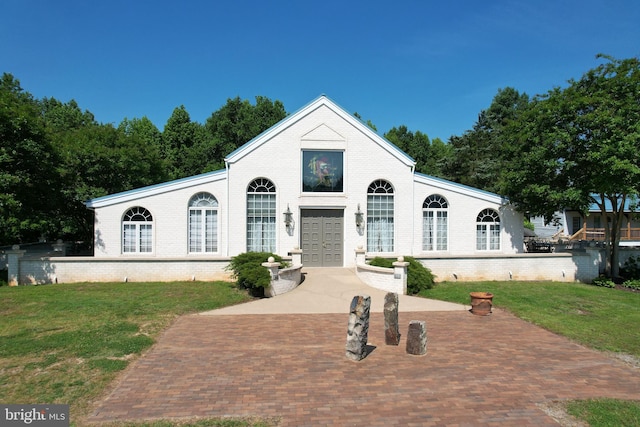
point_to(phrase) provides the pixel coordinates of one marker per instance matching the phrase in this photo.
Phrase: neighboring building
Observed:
(320, 180)
(573, 225)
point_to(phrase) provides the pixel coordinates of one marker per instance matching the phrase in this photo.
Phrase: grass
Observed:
(606, 412)
(66, 343)
(601, 318)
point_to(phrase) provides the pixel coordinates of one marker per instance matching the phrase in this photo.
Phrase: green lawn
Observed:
(601, 318)
(66, 343)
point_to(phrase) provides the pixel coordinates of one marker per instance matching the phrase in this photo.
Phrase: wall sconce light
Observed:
(359, 217)
(288, 217)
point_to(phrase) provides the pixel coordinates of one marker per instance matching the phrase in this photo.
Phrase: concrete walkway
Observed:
(290, 368)
(330, 290)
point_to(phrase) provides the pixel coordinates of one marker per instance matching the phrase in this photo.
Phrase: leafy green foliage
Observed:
(430, 156)
(578, 146)
(29, 190)
(604, 282)
(419, 278)
(632, 284)
(631, 268)
(479, 157)
(250, 274)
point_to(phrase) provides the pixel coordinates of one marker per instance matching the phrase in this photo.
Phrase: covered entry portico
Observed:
(322, 239)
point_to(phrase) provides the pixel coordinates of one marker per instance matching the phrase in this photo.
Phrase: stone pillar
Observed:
(360, 255)
(60, 248)
(417, 338)
(391, 327)
(273, 268)
(296, 256)
(13, 263)
(400, 268)
(358, 331)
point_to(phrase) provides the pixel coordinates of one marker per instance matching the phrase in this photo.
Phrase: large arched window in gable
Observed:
(261, 216)
(203, 223)
(488, 231)
(137, 231)
(380, 217)
(435, 225)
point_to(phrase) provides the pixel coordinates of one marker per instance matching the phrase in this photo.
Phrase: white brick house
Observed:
(320, 180)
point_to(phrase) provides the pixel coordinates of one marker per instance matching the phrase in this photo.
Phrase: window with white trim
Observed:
(261, 216)
(435, 226)
(137, 231)
(203, 223)
(488, 231)
(380, 216)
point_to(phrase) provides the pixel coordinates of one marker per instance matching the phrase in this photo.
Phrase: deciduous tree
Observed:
(580, 145)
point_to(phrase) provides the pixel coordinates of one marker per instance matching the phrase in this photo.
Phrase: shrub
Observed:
(604, 282)
(632, 284)
(631, 268)
(249, 273)
(419, 277)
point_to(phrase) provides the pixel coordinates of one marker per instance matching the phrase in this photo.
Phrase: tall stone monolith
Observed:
(391, 326)
(358, 330)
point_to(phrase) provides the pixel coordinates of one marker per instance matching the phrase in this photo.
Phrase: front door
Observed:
(322, 241)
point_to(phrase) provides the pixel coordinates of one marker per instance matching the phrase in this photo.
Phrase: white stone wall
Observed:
(88, 269)
(560, 267)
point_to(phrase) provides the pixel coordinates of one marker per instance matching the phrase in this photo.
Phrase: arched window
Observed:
(137, 231)
(435, 225)
(380, 217)
(488, 231)
(261, 216)
(203, 223)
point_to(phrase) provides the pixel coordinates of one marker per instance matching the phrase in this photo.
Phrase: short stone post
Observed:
(400, 268)
(391, 327)
(13, 263)
(360, 255)
(296, 256)
(358, 330)
(417, 338)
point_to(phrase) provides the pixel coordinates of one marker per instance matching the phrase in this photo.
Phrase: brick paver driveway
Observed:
(492, 370)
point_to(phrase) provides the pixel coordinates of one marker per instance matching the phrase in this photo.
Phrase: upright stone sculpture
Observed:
(417, 337)
(358, 331)
(391, 326)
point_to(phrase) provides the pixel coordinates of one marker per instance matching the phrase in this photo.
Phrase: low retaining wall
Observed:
(89, 269)
(580, 266)
(286, 280)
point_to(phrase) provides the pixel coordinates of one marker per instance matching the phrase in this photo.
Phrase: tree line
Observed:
(570, 147)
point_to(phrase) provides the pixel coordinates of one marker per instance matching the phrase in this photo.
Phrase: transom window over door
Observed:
(261, 216)
(137, 231)
(488, 231)
(203, 223)
(380, 216)
(435, 227)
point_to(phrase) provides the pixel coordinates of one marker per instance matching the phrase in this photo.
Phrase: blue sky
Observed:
(432, 66)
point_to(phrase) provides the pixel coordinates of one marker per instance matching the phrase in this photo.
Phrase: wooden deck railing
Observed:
(626, 233)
